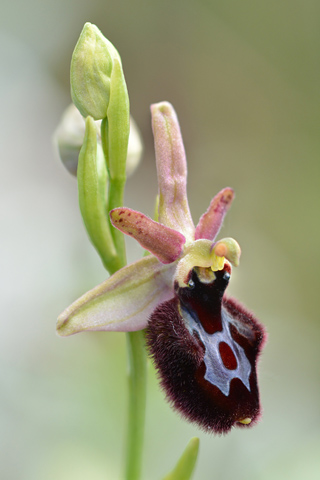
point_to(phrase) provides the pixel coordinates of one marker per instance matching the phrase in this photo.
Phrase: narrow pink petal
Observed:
(172, 170)
(124, 302)
(163, 242)
(211, 221)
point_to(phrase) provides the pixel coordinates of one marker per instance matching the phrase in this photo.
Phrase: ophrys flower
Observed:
(205, 346)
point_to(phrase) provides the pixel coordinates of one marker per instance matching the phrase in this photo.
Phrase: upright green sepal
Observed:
(118, 125)
(92, 182)
(185, 466)
(115, 130)
(91, 70)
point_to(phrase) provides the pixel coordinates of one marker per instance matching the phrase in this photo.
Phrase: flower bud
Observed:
(68, 138)
(92, 181)
(69, 135)
(91, 67)
(135, 148)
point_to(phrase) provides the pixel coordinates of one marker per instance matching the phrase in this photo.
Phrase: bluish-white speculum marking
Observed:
(216, 372)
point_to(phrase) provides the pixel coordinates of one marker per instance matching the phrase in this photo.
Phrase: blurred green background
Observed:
(244, 79)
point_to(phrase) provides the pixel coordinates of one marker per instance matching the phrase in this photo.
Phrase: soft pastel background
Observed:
(244, 78)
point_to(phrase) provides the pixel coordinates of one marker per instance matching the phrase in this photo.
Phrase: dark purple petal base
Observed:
(205, 348)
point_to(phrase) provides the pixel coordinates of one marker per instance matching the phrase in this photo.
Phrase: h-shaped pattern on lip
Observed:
(216, 372)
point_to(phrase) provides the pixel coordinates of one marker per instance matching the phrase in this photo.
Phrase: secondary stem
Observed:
(115, 199)
(137, 403)
(135, 340)
(115, 190)
(137, 393)
(137, 382)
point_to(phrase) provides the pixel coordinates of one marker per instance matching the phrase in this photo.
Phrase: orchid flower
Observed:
(205, 346)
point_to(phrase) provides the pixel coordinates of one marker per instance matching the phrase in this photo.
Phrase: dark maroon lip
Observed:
(205, 348)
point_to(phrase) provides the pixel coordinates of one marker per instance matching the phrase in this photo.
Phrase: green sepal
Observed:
(185, 466)
(92, 181)
(115, 129)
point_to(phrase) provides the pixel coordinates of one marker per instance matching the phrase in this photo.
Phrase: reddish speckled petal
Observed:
(211, 221)
(163, 242)
(172, 170)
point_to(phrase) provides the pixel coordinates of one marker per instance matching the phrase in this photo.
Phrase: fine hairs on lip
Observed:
(179, 353)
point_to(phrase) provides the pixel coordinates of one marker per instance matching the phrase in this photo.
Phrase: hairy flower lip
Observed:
(182, 354)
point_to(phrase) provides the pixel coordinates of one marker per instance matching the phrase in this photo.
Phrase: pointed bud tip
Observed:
(194, 442)
(61, 327)
(91, 67)
(228, 195)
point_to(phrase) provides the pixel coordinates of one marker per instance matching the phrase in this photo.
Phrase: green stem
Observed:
(137, 392)
(115, 199)
(137, 383)
(137, 403)
(135, 340)
(137, 359)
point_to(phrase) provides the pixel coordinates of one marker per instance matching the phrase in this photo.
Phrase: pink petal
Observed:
(172, 170)
(163, 242)
(211, 221)
(124, 302)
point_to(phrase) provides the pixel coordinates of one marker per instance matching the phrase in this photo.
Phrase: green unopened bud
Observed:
(68, 138)
(92, 183)
(91, 69)
(69, 135)
(135, 148)
(99, 90)
(116, 126)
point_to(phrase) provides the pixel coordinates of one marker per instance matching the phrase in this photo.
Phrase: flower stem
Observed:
(137, 403)
(114, 145)
(137, 393)
(116, 191)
